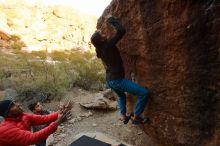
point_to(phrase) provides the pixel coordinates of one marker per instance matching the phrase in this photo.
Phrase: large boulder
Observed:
(100, 101)
(172, 47)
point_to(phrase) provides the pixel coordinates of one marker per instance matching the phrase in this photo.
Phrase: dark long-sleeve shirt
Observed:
(109, 53)
(38, 128)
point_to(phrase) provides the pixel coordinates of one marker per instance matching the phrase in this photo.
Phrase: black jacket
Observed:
(38, 128)
(109, 54)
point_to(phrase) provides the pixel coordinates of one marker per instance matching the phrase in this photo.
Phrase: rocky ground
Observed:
(103, 121)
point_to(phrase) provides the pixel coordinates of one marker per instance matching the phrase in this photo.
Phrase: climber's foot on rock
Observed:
(125, 118)
(136, 120)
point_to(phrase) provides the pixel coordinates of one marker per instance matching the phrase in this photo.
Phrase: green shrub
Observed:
(33, 73)
(15, 38)
(59, 56)
(40, 54)
(17, 45)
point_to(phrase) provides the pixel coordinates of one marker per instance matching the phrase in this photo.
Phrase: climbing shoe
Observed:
(140, 120)
(125, 118)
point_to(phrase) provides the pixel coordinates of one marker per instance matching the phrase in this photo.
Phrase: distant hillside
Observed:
(43, 27)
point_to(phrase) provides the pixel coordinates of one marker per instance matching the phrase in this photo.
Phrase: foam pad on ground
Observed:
(88, 141)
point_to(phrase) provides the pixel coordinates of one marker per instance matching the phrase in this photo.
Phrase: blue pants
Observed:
(123, 85)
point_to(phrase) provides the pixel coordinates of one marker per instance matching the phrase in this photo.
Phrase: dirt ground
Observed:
(106, 122)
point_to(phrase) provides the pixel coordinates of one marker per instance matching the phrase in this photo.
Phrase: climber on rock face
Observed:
(107, 51)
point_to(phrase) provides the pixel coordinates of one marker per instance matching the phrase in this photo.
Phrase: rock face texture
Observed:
(172, 47)
(44, 27)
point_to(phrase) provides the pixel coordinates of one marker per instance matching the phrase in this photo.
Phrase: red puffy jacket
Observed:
(17, 131)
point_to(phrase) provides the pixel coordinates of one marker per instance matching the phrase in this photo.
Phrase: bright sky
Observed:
(93, 7)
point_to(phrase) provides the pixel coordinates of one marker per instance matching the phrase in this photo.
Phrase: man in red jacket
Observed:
(15, 130)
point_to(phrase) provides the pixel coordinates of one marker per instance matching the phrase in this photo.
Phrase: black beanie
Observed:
(4, 107)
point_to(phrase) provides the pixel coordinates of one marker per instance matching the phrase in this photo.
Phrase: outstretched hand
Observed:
(68, 106)
(65, 112)
(111, 19)
(64, 116)
(108, 16)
